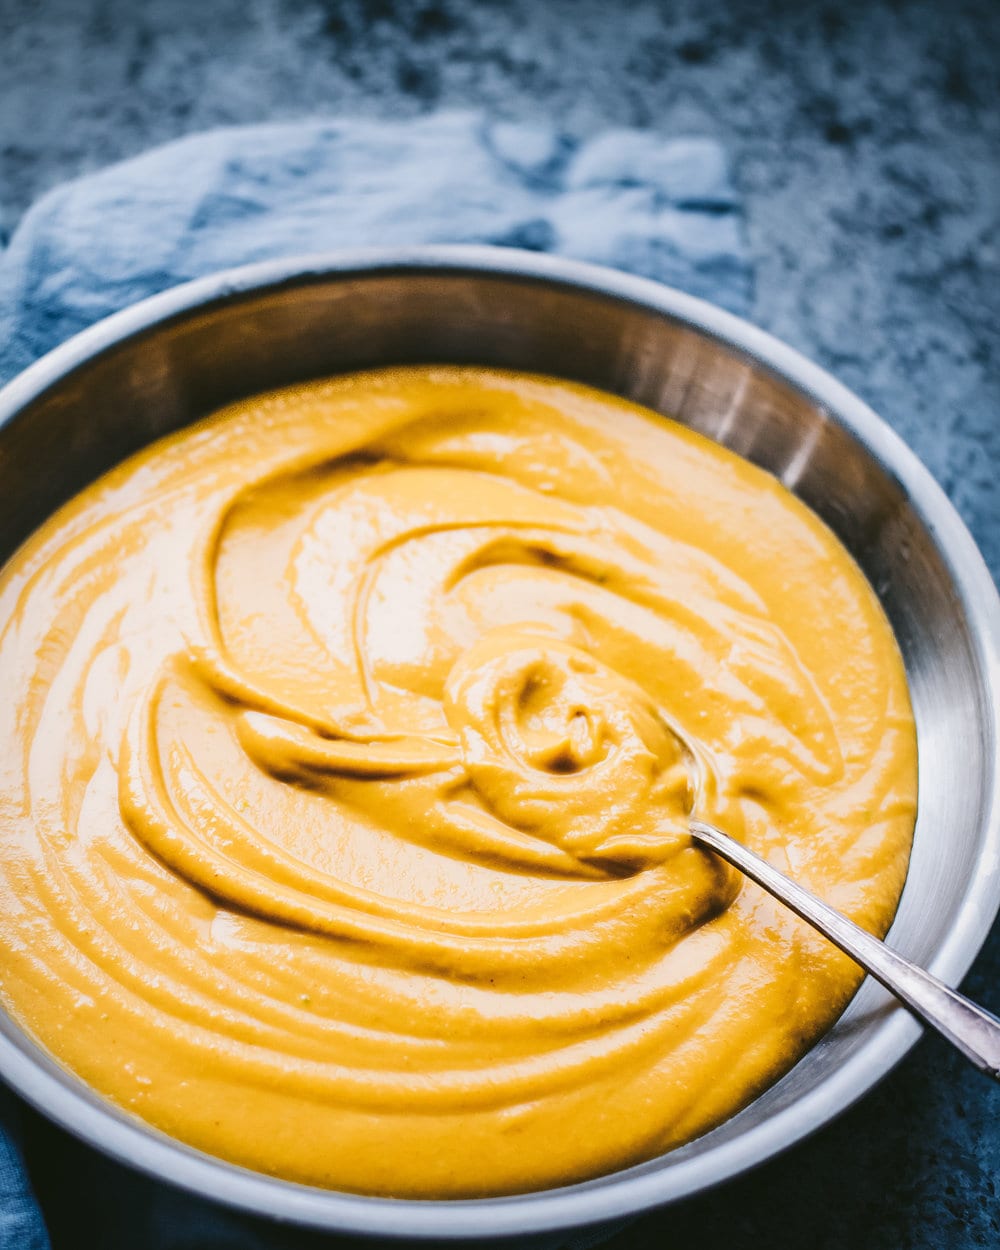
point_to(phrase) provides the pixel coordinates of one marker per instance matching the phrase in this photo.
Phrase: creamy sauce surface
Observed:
(348, 746)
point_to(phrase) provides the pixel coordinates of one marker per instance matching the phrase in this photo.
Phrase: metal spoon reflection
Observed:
(975, 1032)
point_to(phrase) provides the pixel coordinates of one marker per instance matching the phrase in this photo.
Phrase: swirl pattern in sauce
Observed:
(349, 747)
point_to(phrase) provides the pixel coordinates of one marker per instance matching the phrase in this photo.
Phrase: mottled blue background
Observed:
(866, 145)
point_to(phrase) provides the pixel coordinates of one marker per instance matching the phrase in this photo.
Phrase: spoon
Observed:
(975, 1032)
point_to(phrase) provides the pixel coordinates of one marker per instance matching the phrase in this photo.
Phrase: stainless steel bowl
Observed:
(175, 357)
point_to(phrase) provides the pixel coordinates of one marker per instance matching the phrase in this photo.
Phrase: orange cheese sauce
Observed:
(348, 747)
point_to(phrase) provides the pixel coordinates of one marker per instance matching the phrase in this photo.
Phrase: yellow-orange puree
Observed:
(348, 744)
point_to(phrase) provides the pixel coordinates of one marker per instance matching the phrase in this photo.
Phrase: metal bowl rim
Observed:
(66, 1100)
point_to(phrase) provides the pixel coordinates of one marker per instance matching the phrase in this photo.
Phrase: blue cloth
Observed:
(627, 198)
(21, 1225)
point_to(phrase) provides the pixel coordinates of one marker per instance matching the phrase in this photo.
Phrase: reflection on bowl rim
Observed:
(67, 1101)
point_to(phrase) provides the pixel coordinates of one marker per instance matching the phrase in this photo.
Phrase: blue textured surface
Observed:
(865, 136)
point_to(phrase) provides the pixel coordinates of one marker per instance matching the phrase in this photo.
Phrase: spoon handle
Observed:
(975, 1032)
